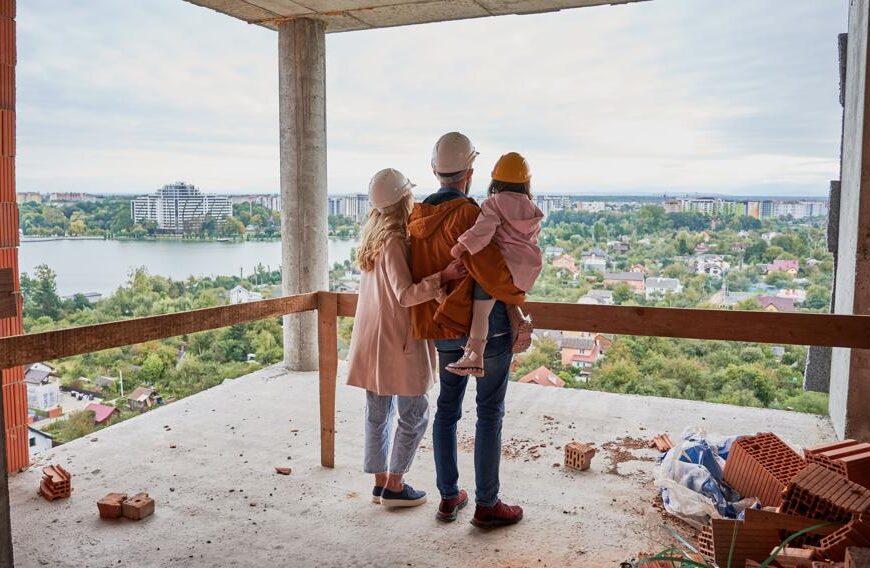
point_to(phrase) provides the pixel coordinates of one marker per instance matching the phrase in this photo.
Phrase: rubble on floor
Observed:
(813, 511)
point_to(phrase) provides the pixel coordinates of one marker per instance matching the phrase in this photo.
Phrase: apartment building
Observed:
(179, 207)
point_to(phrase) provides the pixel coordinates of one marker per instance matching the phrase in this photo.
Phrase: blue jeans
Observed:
(491, 390)
(384, 450)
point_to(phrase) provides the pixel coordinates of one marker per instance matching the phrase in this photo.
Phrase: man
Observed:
(435, 226)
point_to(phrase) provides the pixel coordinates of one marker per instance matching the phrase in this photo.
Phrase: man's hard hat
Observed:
(388, 187)
(453, 153)
(512, 168)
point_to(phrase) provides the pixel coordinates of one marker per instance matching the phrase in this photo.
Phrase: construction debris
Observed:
(110, 505)
(283, 470)
(56, 483)
(138, 507)
(578, 456)
(761, 466)
(857, 557)
(662, 443)
(849, 458)
(821, 496)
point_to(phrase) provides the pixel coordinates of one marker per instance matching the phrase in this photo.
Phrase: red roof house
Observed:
(790, 266)
(775, 304)
(102, 414)
(544, 377)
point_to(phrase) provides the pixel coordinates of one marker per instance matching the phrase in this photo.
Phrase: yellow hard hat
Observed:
(512, 168)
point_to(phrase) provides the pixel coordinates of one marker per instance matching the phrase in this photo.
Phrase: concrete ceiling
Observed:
(350, 15)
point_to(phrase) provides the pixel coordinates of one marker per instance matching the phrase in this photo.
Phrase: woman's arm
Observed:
(480, 234)
(399, 276)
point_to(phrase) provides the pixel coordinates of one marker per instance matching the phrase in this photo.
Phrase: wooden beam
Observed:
(327, 347)
(759, 327)
(31, 348)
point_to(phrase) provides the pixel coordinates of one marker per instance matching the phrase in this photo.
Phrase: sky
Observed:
(667, 96)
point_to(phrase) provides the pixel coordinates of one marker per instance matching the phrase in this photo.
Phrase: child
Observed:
(510, 219)
(395, 369)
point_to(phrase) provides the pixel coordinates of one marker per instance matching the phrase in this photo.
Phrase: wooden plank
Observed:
(327, 347)
(760, 327)
(35, 347)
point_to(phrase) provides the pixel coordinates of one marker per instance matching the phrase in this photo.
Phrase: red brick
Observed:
(110, 506)
(578, 456)
(138, 507)
(56, 483)
(761, 466)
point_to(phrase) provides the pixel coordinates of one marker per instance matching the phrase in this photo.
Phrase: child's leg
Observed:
(480, 319)
(413, 420)
(379, 414)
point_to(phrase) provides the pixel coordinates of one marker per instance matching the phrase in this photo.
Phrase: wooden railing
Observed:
(762, 327)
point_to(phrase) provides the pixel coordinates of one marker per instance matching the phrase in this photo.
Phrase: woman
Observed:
(395, 369)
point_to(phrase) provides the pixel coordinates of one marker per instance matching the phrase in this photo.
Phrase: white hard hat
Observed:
(388, 187)
(453, 153)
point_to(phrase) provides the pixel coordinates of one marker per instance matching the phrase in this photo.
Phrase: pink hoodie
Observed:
(513, 222)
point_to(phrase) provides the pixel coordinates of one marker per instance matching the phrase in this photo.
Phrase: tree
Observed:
(818, 298)
(622, 293)
(43, 293)
(152, 370)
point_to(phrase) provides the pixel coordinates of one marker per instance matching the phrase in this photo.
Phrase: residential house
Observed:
(702, 248)
(796, 294)
(143, 398)
(599, 297)
(39, 441)
(639, 268)
(660, 287)
(710, 264)
(103, 415)
(554, 251)
(544, 377)
(731, 299)
(594, 261)
(619, 246)
(739, 247)
(580, 353)
(769, 236)
(789, 266)
(774, 304)
(633, 279)
(240, 295)
(43, 386)
(565, 262)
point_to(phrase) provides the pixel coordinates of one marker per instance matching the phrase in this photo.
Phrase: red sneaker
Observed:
(498, 515)
(448, 508)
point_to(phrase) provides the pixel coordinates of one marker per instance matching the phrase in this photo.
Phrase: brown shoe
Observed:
(498, 515)
(522, 329)
(448, 508)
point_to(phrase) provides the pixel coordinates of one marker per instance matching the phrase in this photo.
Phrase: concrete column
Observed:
(850, 368)
(302, 99)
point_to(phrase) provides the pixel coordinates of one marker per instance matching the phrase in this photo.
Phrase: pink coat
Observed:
(384, 356)
(513, 221)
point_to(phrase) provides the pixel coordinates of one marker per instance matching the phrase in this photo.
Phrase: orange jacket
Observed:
(434, 230)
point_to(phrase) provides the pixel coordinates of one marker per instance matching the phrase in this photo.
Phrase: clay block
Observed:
(662, 443)
(138, 507)
(56, 483)
(819, 493)
(283, 470)
(790, 557)
(857, 557)
(578, 456)
(110, 506)
(761, 466)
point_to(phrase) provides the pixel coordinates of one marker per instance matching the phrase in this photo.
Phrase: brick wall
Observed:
(14, 391)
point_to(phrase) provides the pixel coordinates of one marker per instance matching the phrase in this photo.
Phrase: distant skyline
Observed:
(668, 96)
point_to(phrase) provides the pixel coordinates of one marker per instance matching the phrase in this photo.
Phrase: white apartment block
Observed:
(355, 206)
(179, 206)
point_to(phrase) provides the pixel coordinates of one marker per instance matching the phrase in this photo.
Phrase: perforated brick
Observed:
(578, 456)
(761, 466)
(56, 483)
(819, 493)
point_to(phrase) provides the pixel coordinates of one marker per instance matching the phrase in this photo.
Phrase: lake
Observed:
(102, 266)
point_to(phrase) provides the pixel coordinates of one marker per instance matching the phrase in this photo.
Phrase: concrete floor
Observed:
(219, 502)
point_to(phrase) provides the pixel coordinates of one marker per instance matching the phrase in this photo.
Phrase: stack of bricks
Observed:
(56, 483)
(855, 534)
(819, 493)
(849, 458)
(578, 456)
(12, 380)
(135, 508)
(761, 466)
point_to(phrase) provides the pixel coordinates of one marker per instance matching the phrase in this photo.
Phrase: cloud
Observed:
(659, 96)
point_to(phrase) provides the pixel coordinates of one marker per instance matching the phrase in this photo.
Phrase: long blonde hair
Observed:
(392, 221)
